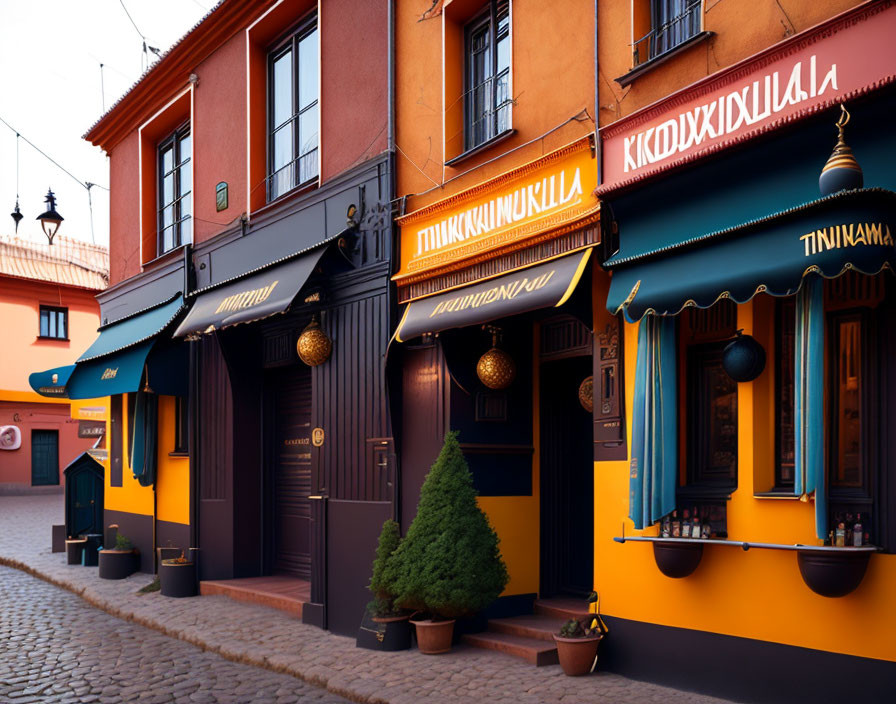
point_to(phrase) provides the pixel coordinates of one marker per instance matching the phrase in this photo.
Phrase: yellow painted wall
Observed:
(516, 519)
(757, 594)
(173, 483)
(130, 496)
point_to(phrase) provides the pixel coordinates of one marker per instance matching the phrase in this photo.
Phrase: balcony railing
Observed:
(669, 31)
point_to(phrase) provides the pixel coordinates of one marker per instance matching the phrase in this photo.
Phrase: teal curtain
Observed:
(654, 465)
(809, 399)
(144, 443)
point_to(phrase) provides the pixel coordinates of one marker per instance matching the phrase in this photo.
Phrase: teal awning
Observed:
(851, 230)
(115, 362)
(51, 382)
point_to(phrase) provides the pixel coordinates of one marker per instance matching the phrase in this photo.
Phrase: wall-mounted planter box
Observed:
(117, 564)
(677, 559)
(826, 570)
(834, 572)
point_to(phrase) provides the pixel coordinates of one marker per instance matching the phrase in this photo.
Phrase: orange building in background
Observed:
(48, 313)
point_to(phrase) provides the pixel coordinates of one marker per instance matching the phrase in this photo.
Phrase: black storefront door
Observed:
(567, 481)
(291, 480)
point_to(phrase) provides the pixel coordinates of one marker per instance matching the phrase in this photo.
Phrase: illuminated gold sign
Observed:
(551, 193)
(296, 441)
(109, 373)
(503, 292)
(848, 235)
(246, 299)
(317, 437)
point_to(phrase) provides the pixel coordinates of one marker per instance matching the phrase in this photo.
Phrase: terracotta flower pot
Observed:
(577, 654)
(434, 637)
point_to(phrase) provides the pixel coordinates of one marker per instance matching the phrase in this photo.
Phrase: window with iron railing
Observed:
(672, 22)
(487, 91)
(293, 122)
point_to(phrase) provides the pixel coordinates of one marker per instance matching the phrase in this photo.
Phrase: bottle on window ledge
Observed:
(840, 535)
(686, 524)
(676, 525)
(706, 531)
(858, 534)
(696, 528)
(666, 529)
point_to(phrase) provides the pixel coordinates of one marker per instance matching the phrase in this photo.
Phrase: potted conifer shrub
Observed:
(448, 566)
(118, 562)
(386, 626)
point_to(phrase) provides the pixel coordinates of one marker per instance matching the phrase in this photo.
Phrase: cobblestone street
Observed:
(255, 654)
(56, 648)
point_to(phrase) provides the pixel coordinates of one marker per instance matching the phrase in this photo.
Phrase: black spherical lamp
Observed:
(743, 359)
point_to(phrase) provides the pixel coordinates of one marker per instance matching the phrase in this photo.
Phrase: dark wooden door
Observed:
(567, 480)
(44, 457)
(291, 485)
(87, 502)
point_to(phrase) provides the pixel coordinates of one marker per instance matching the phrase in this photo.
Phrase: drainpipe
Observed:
(597, 145)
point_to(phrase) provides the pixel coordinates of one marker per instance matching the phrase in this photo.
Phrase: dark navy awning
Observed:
(252, 296)
(51, 382)
(115, 362)
(848, 231)
(539, 286)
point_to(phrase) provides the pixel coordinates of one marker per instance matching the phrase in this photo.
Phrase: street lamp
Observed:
(50, 220)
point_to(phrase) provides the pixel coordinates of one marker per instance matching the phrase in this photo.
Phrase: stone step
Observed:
(561, 607)
(536, 626)
(533, 650)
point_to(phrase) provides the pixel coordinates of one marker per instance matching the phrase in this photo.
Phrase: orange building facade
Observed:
(48, 308)
(496, 167)
(716, 120)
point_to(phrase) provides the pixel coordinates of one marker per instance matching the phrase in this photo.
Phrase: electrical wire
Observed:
(40, 151)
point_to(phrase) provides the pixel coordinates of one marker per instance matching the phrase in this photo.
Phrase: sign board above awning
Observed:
(547, 284)
(249, 298)
(810, 71)
(552, 194)
(848, 231)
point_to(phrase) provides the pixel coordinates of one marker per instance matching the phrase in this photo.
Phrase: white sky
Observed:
(50, 55)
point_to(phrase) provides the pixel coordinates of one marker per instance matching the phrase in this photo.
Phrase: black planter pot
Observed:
(74, 550)
(178, 579)
(677, 559)
(117, 564)
(832, 573)
(386, 634)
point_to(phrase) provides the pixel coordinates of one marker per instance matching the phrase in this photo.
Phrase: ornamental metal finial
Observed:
(841, 171)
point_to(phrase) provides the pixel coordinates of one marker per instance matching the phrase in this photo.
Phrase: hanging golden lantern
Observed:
(586, 394)
(313, 345)
(496, 369)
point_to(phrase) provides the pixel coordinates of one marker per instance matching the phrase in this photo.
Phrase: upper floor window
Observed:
(54, 322)
(487, 75)
(293, 123)
(672, 22)
(175, 190)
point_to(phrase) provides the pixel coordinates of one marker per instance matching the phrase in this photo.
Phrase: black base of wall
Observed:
(742, 669)
(314, 614)
(138, 528)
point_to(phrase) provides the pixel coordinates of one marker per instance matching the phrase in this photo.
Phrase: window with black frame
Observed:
(487, 101)
(181, 426)
(54, 322)
(175, 190)
(293, 112)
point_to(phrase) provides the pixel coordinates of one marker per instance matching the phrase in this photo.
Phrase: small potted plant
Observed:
(448, 566)
(578, 640)
(385, 627)
(118, 562)
(177, 575)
